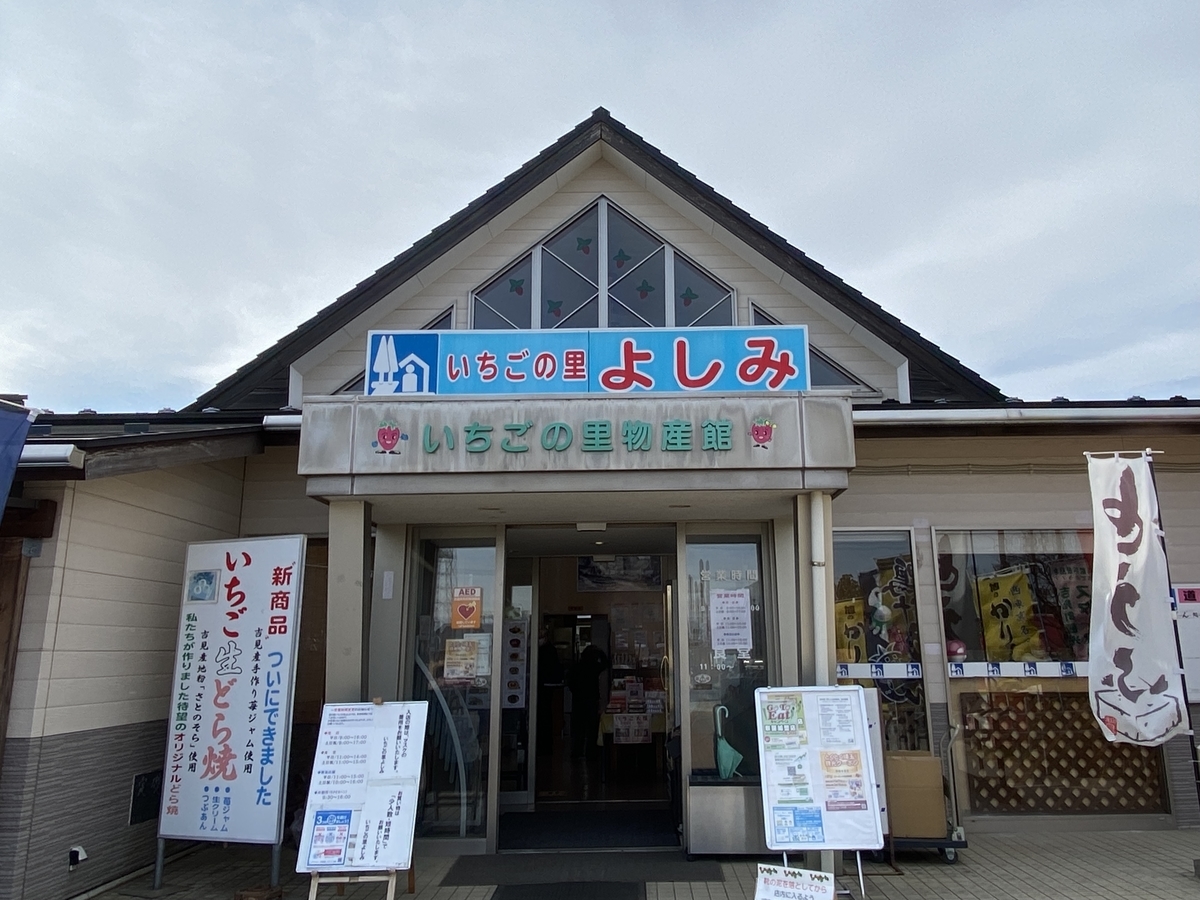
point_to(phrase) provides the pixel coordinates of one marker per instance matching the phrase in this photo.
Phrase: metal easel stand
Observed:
(862, 888)
(160, 854)
(342, 879)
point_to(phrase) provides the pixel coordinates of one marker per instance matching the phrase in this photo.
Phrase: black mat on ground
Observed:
(590, 829)
(575, 868)
(591, 890)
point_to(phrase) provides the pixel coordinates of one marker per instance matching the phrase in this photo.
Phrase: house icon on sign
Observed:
(414, 375)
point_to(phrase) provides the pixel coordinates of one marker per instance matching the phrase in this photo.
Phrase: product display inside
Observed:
(876, 623)
(1015, 596)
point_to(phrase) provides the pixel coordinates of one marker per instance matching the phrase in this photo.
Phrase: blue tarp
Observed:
(14, 425)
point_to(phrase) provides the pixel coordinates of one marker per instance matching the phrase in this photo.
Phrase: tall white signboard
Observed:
(231, 697)
(362, 800)
(818, 777)
(1187, 619)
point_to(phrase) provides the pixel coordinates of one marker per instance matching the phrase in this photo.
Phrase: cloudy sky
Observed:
(182, 184)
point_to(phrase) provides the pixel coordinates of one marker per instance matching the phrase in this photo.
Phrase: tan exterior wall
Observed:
(102, 603)
(793, 304)
(275, 501)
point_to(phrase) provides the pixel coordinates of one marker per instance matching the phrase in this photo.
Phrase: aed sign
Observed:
(592, 361)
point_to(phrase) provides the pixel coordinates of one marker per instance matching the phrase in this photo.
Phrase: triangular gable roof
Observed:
(263, 382)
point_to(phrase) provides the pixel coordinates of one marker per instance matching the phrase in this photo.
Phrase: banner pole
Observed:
(1187, 706)
(159, 859)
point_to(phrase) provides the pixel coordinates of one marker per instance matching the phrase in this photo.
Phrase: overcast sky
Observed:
(183, 184)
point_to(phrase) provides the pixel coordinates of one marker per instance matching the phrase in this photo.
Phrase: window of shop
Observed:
(1015, 596)
(1016, 608)
(878, 641)
(602, 270)
(454, 602)
(727, 652)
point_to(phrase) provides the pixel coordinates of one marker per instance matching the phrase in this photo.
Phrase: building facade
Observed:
(889, 518)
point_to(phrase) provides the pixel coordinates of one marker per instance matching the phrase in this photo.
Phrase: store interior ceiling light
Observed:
(591, 526)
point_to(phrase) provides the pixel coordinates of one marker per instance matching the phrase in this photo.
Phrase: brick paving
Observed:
(1148, 865)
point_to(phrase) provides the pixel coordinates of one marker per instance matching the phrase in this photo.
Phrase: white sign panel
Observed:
(875, 727)
(778, 883)
(362, 800)
(1133, 665)
(1187, 616)
(225, 777)
(818, 776)
(729, 619)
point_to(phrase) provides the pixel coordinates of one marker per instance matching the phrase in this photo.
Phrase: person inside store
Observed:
(550, 676)
(584, 682)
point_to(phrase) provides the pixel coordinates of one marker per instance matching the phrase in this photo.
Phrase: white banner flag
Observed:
(1133, 669)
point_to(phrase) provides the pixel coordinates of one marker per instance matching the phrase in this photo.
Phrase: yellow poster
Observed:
(851, 634)
(1010, 631)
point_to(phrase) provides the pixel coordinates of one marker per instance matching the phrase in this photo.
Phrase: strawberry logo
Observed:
(688, 296)
(387, 436)
(644, 289)
(583, 245)
(761, 432)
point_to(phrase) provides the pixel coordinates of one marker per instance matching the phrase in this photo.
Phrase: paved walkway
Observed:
(1148, 865)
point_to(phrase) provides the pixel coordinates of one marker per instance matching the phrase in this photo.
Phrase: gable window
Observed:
(602, 270)
(823, 371)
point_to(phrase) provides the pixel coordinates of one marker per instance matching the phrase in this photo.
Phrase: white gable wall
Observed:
(756, 281)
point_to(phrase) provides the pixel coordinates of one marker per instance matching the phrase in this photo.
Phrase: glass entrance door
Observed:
(453, 602)
(584, 750)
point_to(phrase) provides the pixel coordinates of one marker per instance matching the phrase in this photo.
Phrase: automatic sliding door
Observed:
(454, 588)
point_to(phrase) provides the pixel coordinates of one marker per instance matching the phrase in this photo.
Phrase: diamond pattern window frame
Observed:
(602, 205)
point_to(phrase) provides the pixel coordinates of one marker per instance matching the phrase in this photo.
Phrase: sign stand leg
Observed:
(862, 888)
(159, 859)
(341, 879)
(785, 865)
(276, 855)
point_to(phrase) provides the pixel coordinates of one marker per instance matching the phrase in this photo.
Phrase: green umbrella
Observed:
(728, 759)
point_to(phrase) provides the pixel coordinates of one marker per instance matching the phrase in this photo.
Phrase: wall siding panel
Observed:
(74, 806)
(275, 499)
(109, 583)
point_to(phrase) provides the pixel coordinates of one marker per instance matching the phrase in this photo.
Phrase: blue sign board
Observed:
(605, 362)
(14, 426)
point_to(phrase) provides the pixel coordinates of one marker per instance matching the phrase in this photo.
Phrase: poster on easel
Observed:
(362, 800)
(818, 775)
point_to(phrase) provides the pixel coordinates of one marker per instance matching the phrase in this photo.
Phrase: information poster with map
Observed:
(362, 800)
(818, 778)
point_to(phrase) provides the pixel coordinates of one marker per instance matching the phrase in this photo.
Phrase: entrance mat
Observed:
(587, 890)
(590, 829)
(518, 869)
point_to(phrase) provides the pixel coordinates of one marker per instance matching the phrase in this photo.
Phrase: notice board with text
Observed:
(362, 800)
(818, 775)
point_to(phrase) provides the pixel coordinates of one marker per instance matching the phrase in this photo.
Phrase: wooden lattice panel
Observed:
(1044, 753)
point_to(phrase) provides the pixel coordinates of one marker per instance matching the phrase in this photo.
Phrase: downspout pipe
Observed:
(821, 619)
